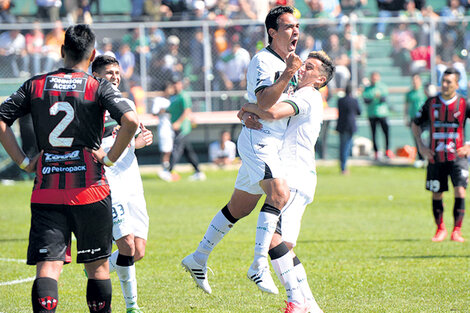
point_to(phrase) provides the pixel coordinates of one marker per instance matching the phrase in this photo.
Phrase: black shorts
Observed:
(52, 225)
(437, 175)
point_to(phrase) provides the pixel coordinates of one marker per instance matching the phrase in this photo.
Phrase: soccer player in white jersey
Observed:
(130, 219)
(271, 73)
(298, 156)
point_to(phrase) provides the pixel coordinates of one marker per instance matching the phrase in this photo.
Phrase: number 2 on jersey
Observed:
(54, 137)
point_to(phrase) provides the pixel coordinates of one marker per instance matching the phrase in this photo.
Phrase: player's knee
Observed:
(139, 254)
(126, 244)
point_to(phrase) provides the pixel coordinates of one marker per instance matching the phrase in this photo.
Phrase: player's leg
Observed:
(92, 226)
(436, 182)
(240, 205)
(459, 177)
(48, 239)
(373, 128)
(386, 129)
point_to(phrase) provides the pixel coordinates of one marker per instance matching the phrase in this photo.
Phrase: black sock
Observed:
(226, 212)
(438, 211)
(459, 211)
(44, 295)
(98, 295)
(270, 209)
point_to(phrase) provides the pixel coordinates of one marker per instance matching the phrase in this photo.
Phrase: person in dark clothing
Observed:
(348, 108)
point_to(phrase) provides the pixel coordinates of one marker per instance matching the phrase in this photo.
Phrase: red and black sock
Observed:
(459, 211)
(438, 211)
(44, 295)
(98, 295)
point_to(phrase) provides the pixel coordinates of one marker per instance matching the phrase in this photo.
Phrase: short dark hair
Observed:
(273, 17)
(79, 42)
(328, 68)
(101, 61)
(450, 71)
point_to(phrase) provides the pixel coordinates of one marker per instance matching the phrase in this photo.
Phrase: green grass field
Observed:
(365, 243)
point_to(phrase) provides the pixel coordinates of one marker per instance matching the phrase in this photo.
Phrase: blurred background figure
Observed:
(348, 109)
(54, 42)
(13, 53)
(223, 151)
(48, 10)
(5, 15)
(35, 47)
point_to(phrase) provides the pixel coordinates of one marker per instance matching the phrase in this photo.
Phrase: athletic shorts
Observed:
(437, 175)
(290, 220)
(165, 140)
(52, 225)
(260, 158)
(130, 216)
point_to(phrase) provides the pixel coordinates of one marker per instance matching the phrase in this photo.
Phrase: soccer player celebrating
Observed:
(271, 73)
(70, 190)
(446, 114)
(130, 219)
(298, 155)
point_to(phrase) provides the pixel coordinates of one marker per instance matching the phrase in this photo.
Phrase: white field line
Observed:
(16, 281)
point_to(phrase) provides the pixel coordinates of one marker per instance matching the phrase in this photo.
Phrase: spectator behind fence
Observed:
(375, 97)
(54, 42)
(5, 15)
(414, 100)
(223, 151)
(165, 131)
(139, 44)
(348, 109)
(196, 48)
(339, 55)
(387, 8)
(173, 59)
(457, 62)
(35, 47)
(403, 42)
(127, 62)
(106, 47)
(254, 9)
(175, 10)
(13, 53)
(453, 10)
(48, 10)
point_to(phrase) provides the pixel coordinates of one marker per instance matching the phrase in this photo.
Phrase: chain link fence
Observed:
(212, 57)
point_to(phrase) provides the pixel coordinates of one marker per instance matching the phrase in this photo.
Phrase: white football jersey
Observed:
(263, 71)
(298, 148)
(125, 171)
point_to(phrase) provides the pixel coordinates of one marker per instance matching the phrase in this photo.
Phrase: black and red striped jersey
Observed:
(68, 111)
(446, 120)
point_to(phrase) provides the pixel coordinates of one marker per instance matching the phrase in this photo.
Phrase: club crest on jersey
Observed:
(96, 306)
(457, 114)
(65, 84)
(48, 303)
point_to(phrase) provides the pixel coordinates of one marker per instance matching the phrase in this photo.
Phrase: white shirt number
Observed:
(54, 138)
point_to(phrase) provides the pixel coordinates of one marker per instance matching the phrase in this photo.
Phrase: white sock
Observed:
(112, 261)
(267, 221)
(128, 281)
(217, 229)
(281, 260)
(303, 283)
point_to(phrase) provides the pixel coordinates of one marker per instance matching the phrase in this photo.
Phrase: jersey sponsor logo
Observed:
(49, 303)
(92, 251)
(442, 124)
(46, 170)
(445, 135)
(72, 156)
(65, 84)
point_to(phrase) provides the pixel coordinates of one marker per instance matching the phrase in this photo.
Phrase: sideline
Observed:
(16, 281)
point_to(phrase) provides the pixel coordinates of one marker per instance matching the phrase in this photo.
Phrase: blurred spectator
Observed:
(414, 100)
(175, 10)
(358, 42)
(54, 42)
(339, 55)
(332, 8)
(12, 53)
(48, 10)
(137, 9)
(35, 46)
(353, 7)
(159, 73)
(199, 12)
(157, 39)
(254, 9)
(453, 10)
(107, 47)
(232, 66)
(164, 130)
(5, 15)
(152, 9)
(172, 57)
(308, 44)
(320, 31)
(375, 97)
(403, 42)
(196, 48)
(139, 43)
(127, 62)
(348, 109)
(223, 151)
(387, 8)
(458, 63)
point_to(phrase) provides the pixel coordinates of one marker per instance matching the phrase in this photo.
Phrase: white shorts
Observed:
(260, 157)
(291, 216)
(130, 216)
(165, 140)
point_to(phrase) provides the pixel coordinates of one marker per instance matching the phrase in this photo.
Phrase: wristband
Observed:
(25, 163)
(107, 161)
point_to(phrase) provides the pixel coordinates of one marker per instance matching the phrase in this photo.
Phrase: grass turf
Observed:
(365, 244)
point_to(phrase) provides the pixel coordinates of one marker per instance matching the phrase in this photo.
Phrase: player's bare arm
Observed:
(268, 96)
(129, 124)
(278, 111)
(423, 149)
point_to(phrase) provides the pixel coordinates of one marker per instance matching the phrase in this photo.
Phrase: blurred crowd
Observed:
(182, 51)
